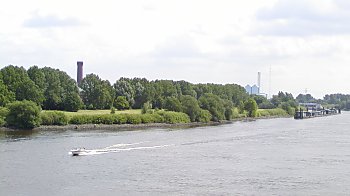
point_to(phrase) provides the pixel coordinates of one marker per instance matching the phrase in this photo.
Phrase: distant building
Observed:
(79, 72)
(252, 90)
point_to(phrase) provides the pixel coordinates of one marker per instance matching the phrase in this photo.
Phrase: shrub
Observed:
(3, 113)
(174, 117)
(112, 110)
(53, 118)
(23, 114)
(102, 119)
(204, 116)
(146, 108)
(235, 113)
(121, 103)
(119, 118)
(134, 119)
(273, 112)
(81, 119)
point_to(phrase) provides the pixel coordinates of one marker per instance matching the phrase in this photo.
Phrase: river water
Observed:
(263, 157)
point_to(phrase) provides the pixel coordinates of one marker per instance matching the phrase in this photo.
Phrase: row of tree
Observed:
(53, 89)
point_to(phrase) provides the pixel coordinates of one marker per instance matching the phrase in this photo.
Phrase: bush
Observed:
(134, 119)
(235, 113)
(152, 118)
(146, 108)
(204, 116)
(3, 113)
(112, 110)
(53, 118)
(121, 103)
(23, 114)
(102, 119)
(119, 118)
(174, 117)
(81, 119)
(272, 112)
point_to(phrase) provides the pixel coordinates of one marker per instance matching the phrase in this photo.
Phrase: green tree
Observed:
(59, 89)
(172, 104)
(17, 80)
(6, 96)
(251, 107)
(96, 92)
(23, 114)
(121, 103)
(214, 105)
(124, 87)
(190, 107)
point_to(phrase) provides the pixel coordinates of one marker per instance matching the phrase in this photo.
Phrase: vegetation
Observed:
(53, 118)
(23, 114)
(133, 101)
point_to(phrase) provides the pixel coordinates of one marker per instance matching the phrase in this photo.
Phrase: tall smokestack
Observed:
(80, 72)
(259, 81)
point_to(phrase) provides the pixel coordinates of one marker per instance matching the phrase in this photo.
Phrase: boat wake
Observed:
(113, 148)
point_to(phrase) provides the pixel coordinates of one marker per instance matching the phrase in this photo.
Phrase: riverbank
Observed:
(122, 127)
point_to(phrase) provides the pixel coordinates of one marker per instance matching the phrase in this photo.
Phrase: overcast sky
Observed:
(304, 42)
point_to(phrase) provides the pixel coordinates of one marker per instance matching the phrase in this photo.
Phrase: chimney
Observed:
(80, 72)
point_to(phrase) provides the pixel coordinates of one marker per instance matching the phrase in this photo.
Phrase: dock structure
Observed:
(311, 113)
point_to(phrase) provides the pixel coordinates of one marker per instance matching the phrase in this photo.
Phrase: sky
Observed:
(299, 46)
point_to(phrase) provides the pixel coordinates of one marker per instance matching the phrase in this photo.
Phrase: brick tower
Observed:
(79, 72)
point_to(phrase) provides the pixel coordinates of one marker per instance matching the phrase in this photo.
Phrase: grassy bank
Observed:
(132, 117)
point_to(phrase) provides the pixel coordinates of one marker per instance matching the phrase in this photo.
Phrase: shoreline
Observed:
(128, 127)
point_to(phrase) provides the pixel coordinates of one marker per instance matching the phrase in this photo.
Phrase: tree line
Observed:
(53, 89)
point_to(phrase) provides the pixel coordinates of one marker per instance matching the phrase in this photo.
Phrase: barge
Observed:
(314, 110)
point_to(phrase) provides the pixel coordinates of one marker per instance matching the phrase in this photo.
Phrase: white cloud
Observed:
(224, 41)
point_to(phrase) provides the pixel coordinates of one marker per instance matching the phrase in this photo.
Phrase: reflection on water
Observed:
(14, 135)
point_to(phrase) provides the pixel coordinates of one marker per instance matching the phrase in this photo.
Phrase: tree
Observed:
(6, 96)
(23, 114)
(251, 107)
(172, 104)
(190, 106)
(96, 92)
(59, 89)
(17, 80)
(121, 103)
(214, 105)
(124, 87)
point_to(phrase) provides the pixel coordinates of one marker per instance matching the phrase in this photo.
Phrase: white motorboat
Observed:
(78, 151)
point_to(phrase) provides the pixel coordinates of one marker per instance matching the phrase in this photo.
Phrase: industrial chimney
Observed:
(80, 72)
(259, 81)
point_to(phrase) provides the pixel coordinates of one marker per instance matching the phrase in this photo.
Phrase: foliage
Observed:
(3, 113)
(112, 110)
(214, 105)
(6, 96)
(121, 103)
(17, 81)
(190, 107)
(251, 107)
(53, 118)
(146, 108)
(174, 117)
(23, 114)
(204, 116)
(59, 89)
(134, 119)
(172, 104)
(272, 112)
(96, 93)
(305, 98)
